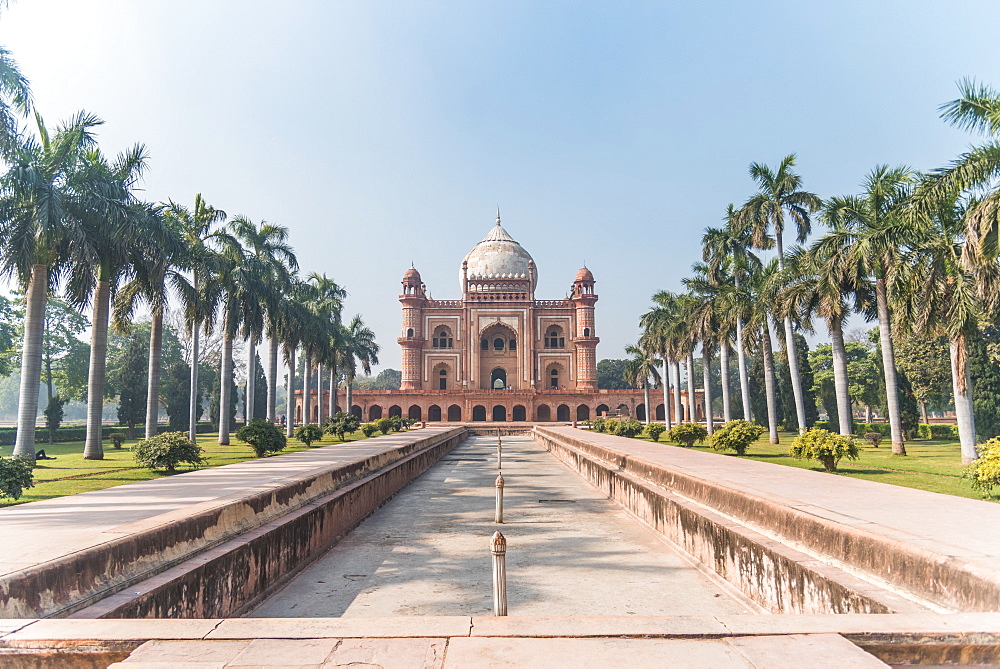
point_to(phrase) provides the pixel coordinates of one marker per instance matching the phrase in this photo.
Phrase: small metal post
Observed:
(498, 547)
(499, 516)
(499, 452)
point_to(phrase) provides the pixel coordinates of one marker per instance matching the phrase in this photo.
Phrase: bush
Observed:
(369, 429)
(409, 422)
(263, 436)
(166, 451)
(384, 425)
(736, 435)
(309, 433)
(937, 431)
(15, 476)
(598, 424)
(625, 427)
(395, 422)
(8, 435)
(874, 438)
(984, 472)
(825, 446)
(882, 428)
(117, 439)
(341, 423)
(687, 434)
(654, 430)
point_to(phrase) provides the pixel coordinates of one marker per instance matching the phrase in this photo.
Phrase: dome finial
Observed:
(498, 214)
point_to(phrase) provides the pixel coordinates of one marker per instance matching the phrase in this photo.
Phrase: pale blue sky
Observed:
(385, 132)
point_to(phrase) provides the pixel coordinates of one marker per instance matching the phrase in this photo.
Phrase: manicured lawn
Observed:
(69, 473)
(934, 464)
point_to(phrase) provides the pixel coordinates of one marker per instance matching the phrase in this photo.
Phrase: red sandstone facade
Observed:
(498, 354)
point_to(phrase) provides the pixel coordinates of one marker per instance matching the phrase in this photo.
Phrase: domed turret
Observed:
(585, 275)
(497, 256)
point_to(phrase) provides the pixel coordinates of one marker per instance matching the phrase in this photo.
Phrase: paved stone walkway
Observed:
(570, 550)
(42, 531)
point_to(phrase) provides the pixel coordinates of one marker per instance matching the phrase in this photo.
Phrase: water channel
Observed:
(571, 551)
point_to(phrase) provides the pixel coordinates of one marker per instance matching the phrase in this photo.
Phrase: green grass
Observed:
(934, 464)
(69, 473)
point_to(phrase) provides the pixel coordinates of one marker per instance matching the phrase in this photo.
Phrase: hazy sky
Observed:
(383, 133)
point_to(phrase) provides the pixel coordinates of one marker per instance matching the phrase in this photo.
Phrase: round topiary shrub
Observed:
(263, 436)
(736, 435)
(384, 425)
(827, 447)
(654, 430)
(15, 477)
(687, 434)
(875, 438)
(984, 472)
(309, 433)
(166, 451)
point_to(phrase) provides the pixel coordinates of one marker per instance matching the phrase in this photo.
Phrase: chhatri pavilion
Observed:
(498, 353)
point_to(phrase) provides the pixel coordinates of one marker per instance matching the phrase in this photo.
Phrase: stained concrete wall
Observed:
(298, 511)
(778, 577)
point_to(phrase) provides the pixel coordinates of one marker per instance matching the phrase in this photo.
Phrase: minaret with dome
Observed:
(499, 354)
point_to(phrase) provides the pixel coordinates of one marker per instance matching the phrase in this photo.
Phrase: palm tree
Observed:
(944, 294)
(867, 231)
(328, 305)
(759, 291)
(359, 348)
(155, 273)
(267, 245)
(639, 368)
(656, 326)
(122, 233)
(200, 303)
(780, 196)
(15, 102)
(38, 224)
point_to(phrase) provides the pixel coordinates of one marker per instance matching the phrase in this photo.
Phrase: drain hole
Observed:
(557, 501)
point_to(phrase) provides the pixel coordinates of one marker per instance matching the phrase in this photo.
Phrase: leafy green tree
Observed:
(341, 424)
(737, 435)
(166, 451)
(263, 436)
(127, 376)
(54, 416)
(387, 379)
(984, 367)
(260, 391)
(174, 393)
(825, 446)
(925, 362)
(215, 400)
(611, 375)
(8, 334)
(15, 476)
(308, 433)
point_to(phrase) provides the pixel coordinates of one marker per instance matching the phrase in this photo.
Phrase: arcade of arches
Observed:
(498, 354)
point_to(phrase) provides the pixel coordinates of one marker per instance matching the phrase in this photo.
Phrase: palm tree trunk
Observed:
(251, 379)
(727, 413)
(307, 390)
(772, 411)
(31, 362)
(889, 368)
(962, 386)
(706, 372)
(193, 402)
(94, 449)
(678, 408)
(350, 391)
(923, 412)
(844, 414)
(666, 393)
(153, 386)
(868, 413)
(225, 382)
(692, 409)
(333, 390)
(793, 368)
(272, 378)
(320, 408)
(290, 392)
(645, 395)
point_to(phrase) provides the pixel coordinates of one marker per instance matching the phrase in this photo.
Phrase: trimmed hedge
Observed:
(923, 431)
(8, 435)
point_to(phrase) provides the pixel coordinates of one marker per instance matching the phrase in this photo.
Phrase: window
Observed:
(586, 332)
(484, 344)
(409, 332)
(554, 339)
(512, 345)
(442, 339)
(443, 380)
(498, 344)
(554, 379)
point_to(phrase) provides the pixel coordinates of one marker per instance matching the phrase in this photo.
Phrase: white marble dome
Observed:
(497, 256)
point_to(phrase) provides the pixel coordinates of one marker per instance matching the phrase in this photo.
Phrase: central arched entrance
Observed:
(499, 413)
(498, 378)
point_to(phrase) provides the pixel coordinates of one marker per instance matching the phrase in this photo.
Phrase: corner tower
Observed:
(411, 340)
(585, 337)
